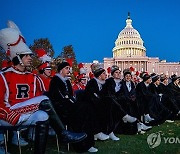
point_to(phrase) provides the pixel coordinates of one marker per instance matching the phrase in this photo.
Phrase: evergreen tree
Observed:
(41, 43)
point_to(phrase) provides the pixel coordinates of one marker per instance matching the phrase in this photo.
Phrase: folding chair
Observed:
(4, 130)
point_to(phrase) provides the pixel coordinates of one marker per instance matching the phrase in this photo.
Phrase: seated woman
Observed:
(144, 96)
(93, 97)
(114, 96)
(173, 94)
(157, 108)
(129, 91)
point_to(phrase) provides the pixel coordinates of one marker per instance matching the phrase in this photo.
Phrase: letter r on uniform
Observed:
(22, 91)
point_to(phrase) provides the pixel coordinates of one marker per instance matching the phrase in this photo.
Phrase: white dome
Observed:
(129, 39)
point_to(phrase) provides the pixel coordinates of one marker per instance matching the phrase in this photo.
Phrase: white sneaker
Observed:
(128, 118)
(22, 142)
(141, 132)
(101, 136)
(93, 149)
(147, 118)
(143, 127)
(170, 121)
(113, 137)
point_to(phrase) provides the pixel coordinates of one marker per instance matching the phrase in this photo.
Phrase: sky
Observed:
(92, 26)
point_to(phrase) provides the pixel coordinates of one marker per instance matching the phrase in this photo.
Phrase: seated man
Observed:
(75, 114)
(20, 103)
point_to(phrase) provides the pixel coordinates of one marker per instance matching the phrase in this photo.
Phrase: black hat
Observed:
(145, 77)
(62, 65)
(142, 74)
(114, 68)
(174, 77)
(155, 78)
(98, 72)
(97, 69)
(163, 77)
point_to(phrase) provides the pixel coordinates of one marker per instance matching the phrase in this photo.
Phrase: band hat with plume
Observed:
(81, 77)
(82, 70)
(97, 69)
(42, 55)
(12, 41)
(114, 68)
(44, 66)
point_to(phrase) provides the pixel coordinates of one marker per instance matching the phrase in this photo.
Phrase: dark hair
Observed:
(125, 73)
(41, 71)
(16, 61)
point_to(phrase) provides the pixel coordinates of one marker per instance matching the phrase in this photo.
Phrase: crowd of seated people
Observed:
(96, 107)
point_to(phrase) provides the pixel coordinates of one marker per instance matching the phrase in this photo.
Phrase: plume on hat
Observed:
(82, 70)
(42, 55)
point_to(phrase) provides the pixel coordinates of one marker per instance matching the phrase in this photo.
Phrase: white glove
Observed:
(160, 95)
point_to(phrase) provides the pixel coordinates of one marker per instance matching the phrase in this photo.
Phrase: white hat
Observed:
(12, 41)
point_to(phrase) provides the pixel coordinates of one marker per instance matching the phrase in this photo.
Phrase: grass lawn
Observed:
(128, 144)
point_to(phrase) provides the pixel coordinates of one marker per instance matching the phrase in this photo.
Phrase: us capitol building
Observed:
(129, 51)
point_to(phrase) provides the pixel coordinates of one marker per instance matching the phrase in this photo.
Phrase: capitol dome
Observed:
(129, 42)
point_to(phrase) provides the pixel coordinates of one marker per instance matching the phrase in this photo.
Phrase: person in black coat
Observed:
(93, 94)
(144, 98)
(129, 91)
(118, 105)
(163, 84)
(157, 108)
(114, 111)
(76, 115)
(167, 98)
(173, 92)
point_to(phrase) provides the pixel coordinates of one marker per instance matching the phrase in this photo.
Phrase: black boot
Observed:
(65, 136)
(41, 133)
